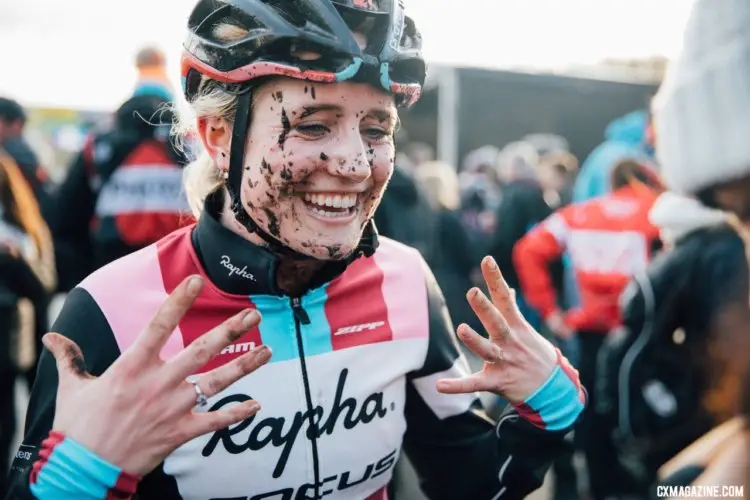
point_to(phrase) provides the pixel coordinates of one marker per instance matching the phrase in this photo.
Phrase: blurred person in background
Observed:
(454, 260)
(557, 169)
(522, 207)
(625, 137)
(556, 173)
(405, 214)
(123, 191)
(12, 124)
(27, 273)
(684, 347)
(419, 153)
(608, 240)
(152, 79)
(480, 194)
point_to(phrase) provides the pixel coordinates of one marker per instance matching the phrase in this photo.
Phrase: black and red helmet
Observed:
(278, 37)
(278, 31)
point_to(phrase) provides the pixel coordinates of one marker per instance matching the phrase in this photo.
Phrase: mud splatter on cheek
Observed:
(273, 222)
(286, 128)
(312, 92)
(371, 156)
(265, 166)
(252, 183)
(286, 172)
(323, 156)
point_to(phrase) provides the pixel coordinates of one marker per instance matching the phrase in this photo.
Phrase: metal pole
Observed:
(448, 101)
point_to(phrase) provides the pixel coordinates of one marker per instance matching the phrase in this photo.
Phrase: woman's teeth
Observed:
(333, 205)
(332, 200)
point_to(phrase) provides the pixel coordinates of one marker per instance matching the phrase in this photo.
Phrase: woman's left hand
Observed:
(517, 360)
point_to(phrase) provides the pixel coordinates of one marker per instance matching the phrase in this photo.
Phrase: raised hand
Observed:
(140, 409)
(517, 360)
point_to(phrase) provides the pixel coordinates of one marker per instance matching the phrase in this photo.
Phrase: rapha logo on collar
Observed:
(242, 272)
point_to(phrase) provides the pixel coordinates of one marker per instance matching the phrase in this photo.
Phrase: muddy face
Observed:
(317, 162)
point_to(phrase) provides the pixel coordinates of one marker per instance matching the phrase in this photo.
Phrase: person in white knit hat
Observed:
(675, 372)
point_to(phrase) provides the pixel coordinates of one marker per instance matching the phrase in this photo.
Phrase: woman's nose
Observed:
(350, 159)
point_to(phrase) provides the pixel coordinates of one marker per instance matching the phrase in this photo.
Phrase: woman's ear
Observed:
(216, 135)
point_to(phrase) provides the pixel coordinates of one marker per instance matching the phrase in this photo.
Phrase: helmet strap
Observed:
(234, 179)
(234, 186)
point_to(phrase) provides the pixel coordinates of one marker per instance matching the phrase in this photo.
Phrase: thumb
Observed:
(70, 363)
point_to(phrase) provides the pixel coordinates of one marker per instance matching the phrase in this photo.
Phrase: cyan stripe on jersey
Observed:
(277, 326)
(72, 471)
(557, 402)
(317, 335)
(277, 329)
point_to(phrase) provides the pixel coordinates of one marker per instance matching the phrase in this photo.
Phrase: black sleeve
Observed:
(82, 321)
(521, 208)
(19, 277)
(723, 271)
(457, 451)
(74, 201)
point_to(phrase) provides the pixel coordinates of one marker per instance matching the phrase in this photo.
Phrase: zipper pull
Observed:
(299, 312)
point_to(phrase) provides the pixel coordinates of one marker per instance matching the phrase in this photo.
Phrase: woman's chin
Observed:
(326, 251)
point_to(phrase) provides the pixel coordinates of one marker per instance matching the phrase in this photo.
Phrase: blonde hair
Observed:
(201, 177)
(440, 183)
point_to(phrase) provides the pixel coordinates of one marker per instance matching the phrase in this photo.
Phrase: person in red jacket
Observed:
(608, 240)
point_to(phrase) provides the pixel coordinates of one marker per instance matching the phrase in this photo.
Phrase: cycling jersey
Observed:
(608, 240)
(122, 192)
(359, 353)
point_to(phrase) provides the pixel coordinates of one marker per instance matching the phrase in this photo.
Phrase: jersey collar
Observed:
(239, 267)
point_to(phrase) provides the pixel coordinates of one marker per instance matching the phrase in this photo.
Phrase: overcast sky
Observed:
(78, 53)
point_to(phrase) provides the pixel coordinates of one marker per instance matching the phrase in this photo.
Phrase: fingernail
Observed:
(253, 407)
(264, 352)
(463, 330)
(492, 263)
(194, 285)
(250, 318)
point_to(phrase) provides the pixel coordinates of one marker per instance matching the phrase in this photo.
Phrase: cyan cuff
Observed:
(66, 469)
(558, 403)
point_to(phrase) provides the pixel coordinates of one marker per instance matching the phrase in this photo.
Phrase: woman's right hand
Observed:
(140, 410)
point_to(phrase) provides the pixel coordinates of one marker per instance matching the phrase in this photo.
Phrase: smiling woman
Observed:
(295, 105)
(316, 207)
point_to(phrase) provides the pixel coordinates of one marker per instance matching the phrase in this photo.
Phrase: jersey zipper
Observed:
(302, 318)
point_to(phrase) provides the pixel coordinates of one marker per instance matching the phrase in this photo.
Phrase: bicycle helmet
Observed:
(279, 32)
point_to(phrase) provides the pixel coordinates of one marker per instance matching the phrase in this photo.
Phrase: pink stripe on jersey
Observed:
(129, 291)
(404, 289)
(356, 309)
(211, 308)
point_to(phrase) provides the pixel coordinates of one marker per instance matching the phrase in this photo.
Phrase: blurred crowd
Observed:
(633, 259)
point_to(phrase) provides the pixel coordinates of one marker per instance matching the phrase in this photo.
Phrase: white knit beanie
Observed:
(702, 111)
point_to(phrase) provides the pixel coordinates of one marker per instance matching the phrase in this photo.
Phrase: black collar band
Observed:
(240, 267)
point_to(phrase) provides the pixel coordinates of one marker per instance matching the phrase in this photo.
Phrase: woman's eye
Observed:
(376, 133)
(312, 129)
